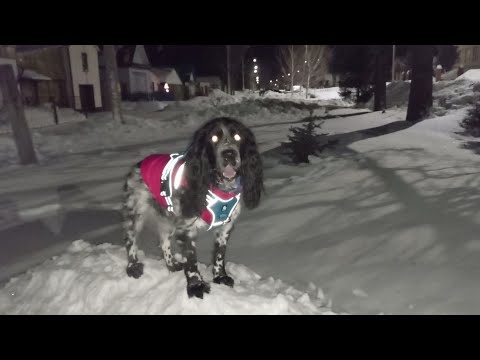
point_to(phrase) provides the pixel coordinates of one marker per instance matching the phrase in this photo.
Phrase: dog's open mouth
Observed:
(229, 172)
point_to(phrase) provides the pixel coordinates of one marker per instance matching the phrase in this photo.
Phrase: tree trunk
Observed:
(243, 74)
(420, 99)
(113, 82)
(229, 89)
(12, 102)
(292, 69)
(308, 85)
(380, 81)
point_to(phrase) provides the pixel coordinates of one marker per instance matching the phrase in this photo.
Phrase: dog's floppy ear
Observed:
(251, 170)
(197, 174)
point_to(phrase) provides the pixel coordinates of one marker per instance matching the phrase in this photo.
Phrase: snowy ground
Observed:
(385, 224)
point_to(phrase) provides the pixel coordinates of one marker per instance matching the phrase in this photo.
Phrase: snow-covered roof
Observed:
(33, 75)
(167, 75)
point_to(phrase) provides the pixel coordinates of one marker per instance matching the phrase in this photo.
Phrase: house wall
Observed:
(140, 80)
(469, 56)
(81, 77)
(13, 62)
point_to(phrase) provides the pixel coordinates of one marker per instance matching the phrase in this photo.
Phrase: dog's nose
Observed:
(229, 156)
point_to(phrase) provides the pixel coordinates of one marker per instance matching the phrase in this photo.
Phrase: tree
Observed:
(110, 55)
(289, 59)
(380, 90)
(447, 55)
(316, 62)
(420, 98)
(354, 62)
(12, 102)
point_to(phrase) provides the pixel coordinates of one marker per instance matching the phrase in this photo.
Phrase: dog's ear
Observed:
(251, 170)
(198, 171)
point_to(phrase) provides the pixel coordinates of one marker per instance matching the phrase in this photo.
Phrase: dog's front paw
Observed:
(135, 270)
(197, 289)
(225, 280)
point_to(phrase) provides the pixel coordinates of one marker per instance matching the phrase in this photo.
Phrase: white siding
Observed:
(80, 77)
(140, 80)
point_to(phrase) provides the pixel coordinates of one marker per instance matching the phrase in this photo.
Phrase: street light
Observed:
(255, 67)
(288, 74)
(254, 60)
(255, 71)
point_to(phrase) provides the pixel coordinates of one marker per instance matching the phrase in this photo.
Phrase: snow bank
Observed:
(91, 279)
(471, 75)
(42, 116)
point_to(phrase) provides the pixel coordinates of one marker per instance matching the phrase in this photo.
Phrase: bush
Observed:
(304, 142)
(471, 123)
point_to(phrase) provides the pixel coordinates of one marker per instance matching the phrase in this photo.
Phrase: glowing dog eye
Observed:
(214, 138)
(237, 137)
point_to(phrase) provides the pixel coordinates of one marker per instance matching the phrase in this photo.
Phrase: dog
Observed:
(200, 189)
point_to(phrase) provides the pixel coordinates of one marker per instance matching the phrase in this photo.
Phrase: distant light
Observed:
(270, 80)
(276, 79)
(305, 61)
(255, 67)
(288, 74)
(254, 60)
(283, 76)
(255, 71)
(298, 70)
(166, 87)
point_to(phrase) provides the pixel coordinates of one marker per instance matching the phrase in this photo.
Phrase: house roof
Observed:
(27, 48)
(33, 75)
(167, 75)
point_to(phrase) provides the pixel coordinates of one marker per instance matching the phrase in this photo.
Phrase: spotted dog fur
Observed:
(217, 144)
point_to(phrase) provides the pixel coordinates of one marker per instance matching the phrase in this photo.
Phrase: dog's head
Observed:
(221, 151)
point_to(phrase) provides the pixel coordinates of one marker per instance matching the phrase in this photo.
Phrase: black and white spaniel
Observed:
(199, 189)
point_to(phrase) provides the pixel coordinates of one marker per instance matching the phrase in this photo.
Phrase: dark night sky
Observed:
(207, 59)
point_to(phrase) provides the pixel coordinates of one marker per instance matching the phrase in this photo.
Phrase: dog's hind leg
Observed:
(136, 204)
(167, 233)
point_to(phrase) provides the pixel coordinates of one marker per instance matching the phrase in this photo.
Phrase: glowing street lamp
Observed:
(254, 60)
(167, 89)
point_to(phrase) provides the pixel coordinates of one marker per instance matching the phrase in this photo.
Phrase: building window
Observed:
(84, 61)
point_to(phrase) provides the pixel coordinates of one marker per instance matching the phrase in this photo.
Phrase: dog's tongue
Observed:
(229, 172)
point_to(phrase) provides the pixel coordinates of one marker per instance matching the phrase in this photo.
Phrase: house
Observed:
(169, 81)
(468, 57)
(135, 72)
(206, 83)
(8, 56)
(69, 74)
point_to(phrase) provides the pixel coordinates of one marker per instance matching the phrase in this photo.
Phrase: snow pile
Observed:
(145, 106)
(471, 75)
(91, 279)
(322, 96)
(38, 117)
(216, 98)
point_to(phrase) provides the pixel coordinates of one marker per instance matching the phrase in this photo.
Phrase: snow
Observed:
(381, 224)
(471, 75)
(89, 279)
(30, 74)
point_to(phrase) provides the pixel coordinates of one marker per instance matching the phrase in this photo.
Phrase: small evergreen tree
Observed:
(471, 123)
(304, 142)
